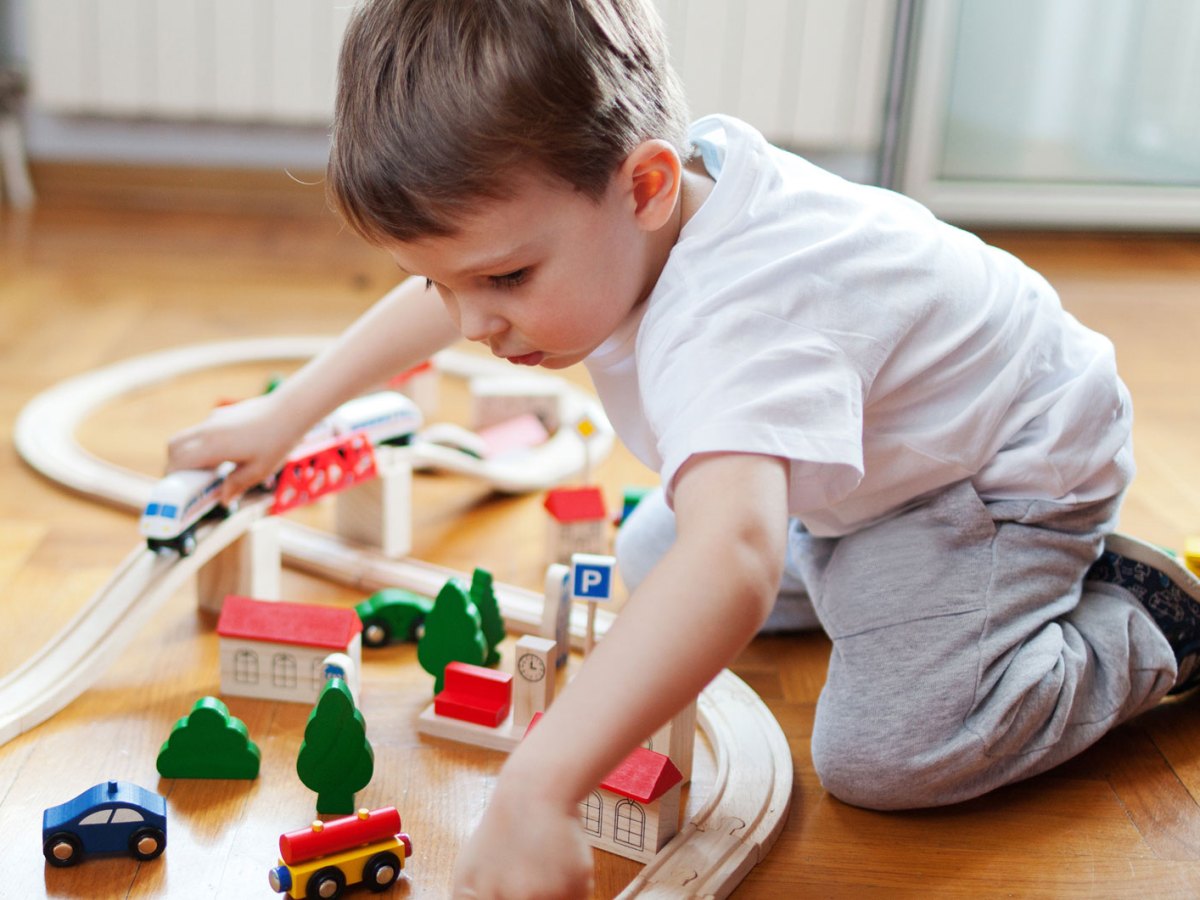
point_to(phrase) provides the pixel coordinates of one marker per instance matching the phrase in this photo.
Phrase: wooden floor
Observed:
(81, 286)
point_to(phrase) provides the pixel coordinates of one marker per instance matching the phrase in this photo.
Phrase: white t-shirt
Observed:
(883, 353)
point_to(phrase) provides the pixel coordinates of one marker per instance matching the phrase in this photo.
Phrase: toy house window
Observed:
(245, 667)
(630, 828)
(592, 813)
(283, 670)
(317, 674)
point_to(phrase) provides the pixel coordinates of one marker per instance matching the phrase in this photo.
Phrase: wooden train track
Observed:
(748, 803)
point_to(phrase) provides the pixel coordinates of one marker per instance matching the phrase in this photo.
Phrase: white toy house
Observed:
(635, 810)
(578, 522)
(277, 651)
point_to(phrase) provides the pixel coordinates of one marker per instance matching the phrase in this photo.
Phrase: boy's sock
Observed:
(1168, 591)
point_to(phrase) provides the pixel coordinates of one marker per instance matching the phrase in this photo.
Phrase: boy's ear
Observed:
(653, 172)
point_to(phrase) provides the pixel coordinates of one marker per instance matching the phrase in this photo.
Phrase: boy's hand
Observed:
(256, 434)
(525, 848)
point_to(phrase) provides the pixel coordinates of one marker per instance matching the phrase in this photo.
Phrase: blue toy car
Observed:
(113, 817)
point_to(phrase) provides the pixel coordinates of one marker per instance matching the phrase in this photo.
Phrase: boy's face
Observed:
(541, 278)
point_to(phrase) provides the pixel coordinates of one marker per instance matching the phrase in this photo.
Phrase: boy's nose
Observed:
(479, 324)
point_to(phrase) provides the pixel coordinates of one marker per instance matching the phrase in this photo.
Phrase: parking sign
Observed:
(592, 577)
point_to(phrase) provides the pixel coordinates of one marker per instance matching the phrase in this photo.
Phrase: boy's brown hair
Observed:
(440, 102)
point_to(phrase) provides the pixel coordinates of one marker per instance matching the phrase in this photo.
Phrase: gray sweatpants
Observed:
(968, 652)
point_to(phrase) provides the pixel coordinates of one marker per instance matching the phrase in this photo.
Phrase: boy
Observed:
(949, 446)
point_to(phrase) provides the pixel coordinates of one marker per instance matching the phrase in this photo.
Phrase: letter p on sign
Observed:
(592, 577)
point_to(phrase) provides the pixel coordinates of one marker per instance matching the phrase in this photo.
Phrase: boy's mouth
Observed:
(527, 359)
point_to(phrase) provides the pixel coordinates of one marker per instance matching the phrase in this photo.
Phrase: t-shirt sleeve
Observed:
(759, 384)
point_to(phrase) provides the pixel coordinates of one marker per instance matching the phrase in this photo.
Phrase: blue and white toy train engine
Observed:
(182, 500)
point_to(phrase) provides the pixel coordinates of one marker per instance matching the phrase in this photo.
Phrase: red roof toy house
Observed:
(635, 811)
(277, 651)
(578, 522)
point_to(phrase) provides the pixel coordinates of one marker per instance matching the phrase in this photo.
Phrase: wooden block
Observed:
(556, 611)
(503, 737)
(513, 436)
(677, 739)
(249, 567)
(496, 399)
(378, 513)
(533, 677)
(475, 694)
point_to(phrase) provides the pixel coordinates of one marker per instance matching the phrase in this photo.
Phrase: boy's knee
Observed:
(864, 770)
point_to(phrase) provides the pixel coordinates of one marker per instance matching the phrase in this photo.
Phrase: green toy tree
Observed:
(335, 759)
(483, 595)
(453, 633)
(209, 743)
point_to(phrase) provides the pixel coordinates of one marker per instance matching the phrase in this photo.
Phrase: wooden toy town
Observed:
(530, 434)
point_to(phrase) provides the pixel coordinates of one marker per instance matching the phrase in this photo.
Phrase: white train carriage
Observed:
(385, 417)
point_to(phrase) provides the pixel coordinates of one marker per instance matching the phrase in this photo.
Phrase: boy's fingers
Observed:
(241, 480)
(187, 452)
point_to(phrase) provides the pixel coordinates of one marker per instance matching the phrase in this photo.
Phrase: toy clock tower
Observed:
(533, 684)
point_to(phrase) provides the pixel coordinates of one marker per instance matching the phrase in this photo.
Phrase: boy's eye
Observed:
(429, 284)
(509, 279)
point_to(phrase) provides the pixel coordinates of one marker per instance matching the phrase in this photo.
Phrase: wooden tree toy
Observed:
(209, 743)
(335, 760)
(453, 633)
(483, 595)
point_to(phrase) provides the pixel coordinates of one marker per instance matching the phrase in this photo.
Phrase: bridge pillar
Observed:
(378, 513)
(249, 566)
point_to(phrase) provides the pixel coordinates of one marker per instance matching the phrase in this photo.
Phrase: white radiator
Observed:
(808, 73)
(223, 60)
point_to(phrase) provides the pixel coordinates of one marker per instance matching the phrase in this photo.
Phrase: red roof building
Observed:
(635, 810)
(284, 651)
(279, 622)
(644, 776)
(575, 504)
(577, 524)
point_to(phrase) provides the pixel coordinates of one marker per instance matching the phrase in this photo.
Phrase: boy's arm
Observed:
(689, 619)
(404, 328)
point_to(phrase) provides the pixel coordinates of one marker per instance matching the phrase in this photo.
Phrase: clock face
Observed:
(531, 667)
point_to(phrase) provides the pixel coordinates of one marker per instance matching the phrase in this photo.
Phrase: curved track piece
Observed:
(708, 858)
(45, 430)
(746, 810)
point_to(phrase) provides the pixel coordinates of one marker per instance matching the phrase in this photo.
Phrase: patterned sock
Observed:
(1168, 591)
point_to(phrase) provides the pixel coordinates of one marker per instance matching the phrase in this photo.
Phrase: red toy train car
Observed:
(321, 860)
